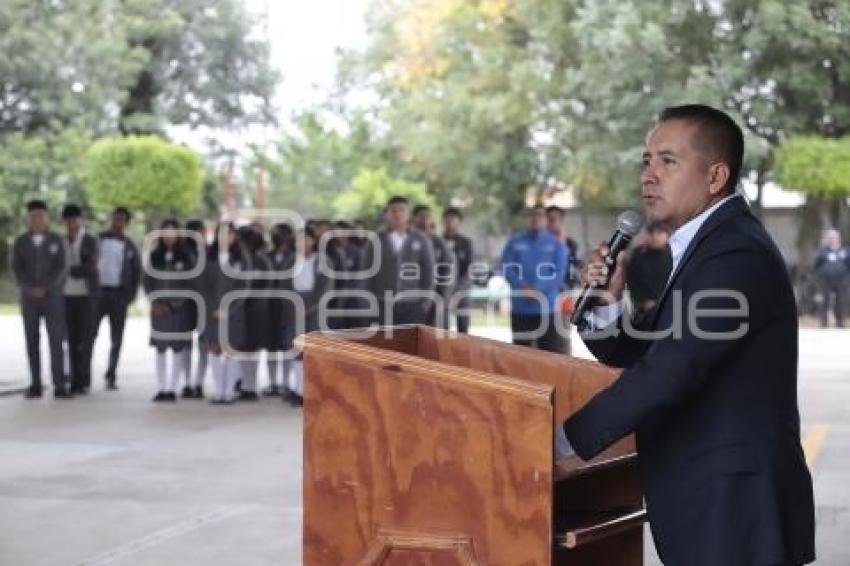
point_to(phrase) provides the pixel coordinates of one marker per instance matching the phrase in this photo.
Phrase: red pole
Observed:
(228, 187)
(261, 192)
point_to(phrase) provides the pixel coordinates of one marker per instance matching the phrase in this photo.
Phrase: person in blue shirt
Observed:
(534, 263)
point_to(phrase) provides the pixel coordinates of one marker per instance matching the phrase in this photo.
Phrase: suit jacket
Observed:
(717, 422)
(87, 269)
(461, 247)
(412, 269)
(39, 267)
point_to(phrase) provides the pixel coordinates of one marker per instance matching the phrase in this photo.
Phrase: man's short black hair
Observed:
(398, 199)
(557, 210)
(453, 211)
(123, 210)
(195, 225)
(718, 135)
(72, 211)
(419, 208)
(36, 204)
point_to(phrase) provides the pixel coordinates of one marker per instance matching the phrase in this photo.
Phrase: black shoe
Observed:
(33, 393)
(187, 393)
(271, 391)
(248, 396)
(160, 397)
(111, 385)
(198, 392)
(297, 400)
(62, 392)
(79, 390)
(170, 396)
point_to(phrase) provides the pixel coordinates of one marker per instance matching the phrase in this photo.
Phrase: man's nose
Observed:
(648, 176)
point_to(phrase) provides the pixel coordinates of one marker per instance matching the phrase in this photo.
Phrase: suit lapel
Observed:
(734, 207)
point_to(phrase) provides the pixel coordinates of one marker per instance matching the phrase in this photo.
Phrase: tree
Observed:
(370, 191)
(47, 166)
(205, 65)
(784, 66)
(819, 167)
(62, 64)
(144, 173)
(313, 162)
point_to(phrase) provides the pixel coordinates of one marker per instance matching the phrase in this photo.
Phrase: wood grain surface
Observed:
(430, 448)
(402, 443)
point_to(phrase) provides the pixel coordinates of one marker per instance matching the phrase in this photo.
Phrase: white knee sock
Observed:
(298, 377)
(161, 369)
(272, 365)
(187, 365)
(201, 369)
(232, 372)
(178, 366)
(218, 369)
(287, 374)
(249, 374)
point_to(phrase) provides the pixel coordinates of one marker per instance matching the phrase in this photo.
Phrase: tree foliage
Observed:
(205, 65)
(815, 165)
(144, 173)
(371, 189)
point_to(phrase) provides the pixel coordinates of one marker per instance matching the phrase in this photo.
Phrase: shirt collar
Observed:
(681, 238)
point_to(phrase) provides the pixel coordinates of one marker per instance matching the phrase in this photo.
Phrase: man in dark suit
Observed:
(713, 395)
(81, 292)
(403, 284)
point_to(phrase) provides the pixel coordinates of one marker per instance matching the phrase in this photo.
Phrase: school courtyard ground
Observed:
(114, 479)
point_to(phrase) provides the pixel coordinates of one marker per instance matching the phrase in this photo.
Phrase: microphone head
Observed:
(629, 223)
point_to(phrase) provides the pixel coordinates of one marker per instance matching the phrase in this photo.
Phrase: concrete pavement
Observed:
(115, 479)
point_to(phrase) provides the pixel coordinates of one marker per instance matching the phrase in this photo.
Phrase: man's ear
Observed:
(718, 176)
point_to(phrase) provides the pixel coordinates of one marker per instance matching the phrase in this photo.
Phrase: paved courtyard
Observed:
(115, 479)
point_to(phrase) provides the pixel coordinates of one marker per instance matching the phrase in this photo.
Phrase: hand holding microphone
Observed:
(606, 272)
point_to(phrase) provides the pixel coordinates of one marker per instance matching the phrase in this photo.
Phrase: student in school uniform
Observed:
(278, 334)
(39, 262)
(255, 311)
(197, 248)
(120, 273)
(224, 334)
(81, 294)
(404, 284)
(171, 317)
(311, 284)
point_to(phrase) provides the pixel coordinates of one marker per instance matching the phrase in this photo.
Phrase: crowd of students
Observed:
(231, 294)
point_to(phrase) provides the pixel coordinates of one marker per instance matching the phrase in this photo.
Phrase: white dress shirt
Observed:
(604, 315)
(305, 274)
(111, 262)
(397, 239)
(76, 286)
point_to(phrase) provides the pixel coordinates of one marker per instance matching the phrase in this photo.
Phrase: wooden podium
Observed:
(423, 447)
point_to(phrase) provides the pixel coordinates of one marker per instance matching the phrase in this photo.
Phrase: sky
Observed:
(304, 36)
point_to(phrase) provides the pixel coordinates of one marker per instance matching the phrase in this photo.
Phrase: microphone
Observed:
(628, 224)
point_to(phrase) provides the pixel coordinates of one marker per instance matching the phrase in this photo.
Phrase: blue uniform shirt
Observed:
(536, 259)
